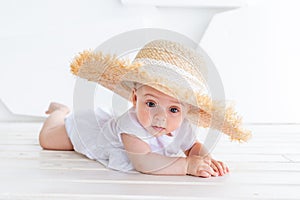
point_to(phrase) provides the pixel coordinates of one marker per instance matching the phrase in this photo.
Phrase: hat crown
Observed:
(175, 54)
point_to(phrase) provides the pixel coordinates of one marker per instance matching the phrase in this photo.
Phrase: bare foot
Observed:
(57, 106)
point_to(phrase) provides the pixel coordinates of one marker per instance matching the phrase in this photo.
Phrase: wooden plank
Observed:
(99, 196)
(264, 166)
(20, 147)
(36, 164)
(70, 155)
(48, 187)
(292, 157)
(259, 177)
(257, 150)
(44, 155)
(94, 165)
(33, 141)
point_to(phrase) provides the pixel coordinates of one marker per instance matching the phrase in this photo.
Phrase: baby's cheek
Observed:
(176, 122)
(144, 118)
(148, 118)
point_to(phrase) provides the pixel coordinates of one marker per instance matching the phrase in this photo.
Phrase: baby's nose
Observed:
(160, 115)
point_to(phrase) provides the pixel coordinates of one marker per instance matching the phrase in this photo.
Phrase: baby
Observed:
(157, 135)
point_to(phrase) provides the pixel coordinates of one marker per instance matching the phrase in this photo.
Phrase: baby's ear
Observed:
(133, 97)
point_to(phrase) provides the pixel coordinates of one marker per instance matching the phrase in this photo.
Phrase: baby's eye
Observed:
(150, 104)
(174, 110)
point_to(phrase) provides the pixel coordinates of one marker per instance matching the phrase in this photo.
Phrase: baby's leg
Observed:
(53, 134)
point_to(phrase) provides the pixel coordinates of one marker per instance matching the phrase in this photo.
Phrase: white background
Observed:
(255, 49)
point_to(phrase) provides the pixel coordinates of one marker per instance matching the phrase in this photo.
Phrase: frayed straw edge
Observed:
(88, 56)
(222, 117)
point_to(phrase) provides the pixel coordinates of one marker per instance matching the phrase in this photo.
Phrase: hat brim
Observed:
(120, 76)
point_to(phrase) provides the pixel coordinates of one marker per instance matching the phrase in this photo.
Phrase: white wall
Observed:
(38, 39)
(254, 48)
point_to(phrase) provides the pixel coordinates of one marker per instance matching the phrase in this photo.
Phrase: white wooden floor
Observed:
(268, 167)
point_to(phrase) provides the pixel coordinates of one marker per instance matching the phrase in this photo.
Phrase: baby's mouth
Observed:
(158, 128)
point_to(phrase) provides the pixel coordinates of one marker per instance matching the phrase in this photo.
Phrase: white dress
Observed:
(96, 134)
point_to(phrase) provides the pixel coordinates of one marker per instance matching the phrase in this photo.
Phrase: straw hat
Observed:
(171, 68)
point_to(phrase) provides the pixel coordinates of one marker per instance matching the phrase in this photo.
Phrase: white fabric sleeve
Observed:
(128, 123)
(189, 136)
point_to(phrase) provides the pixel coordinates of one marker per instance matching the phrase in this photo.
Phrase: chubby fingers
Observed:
(206, 171)
(219, 167)
(204, 174)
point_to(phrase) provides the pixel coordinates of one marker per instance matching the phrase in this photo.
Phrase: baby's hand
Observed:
(219, 167)
(200, 166)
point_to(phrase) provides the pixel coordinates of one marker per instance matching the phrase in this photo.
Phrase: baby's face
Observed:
(157, 112)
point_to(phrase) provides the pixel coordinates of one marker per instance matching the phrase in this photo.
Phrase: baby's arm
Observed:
(147, 162)
(198, 149)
